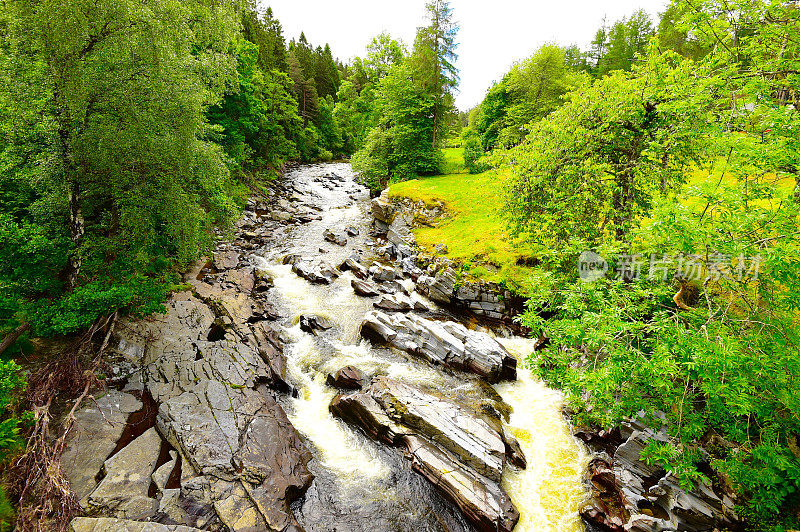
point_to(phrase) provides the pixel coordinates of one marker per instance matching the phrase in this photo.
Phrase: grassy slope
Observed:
(474, 233)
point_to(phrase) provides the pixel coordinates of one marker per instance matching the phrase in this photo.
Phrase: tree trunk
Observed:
(13, 336)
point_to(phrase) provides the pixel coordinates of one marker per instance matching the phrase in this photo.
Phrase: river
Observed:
(360, 484)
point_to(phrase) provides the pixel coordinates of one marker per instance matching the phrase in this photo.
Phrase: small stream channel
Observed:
(360, 484)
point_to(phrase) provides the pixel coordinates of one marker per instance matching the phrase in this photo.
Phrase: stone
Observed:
(629, 494)
(395, 303)
(105, 524)
(352, 231)
(123, 492)
(347, 378)
(313, 324)
(98, 428)
(226, 260)
(263, 281)
(447, 343)
(354, 266)
(335, 238)
(382, 273)
(364, 288)
(459, 452)
(322, 274)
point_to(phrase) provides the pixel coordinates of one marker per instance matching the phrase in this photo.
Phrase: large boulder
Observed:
(124, 490)
(458, 451)
(447, 343)
(630, 494)
(98, 428)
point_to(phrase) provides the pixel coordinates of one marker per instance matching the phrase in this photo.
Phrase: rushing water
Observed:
(361, 485)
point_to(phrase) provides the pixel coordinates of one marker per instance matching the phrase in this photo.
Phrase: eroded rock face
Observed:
(94, 438)
(104, 524)
(629, 494)
(458, 451)
(446, 343)
(211, 364)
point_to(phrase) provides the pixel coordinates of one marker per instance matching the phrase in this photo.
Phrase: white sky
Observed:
(494, 33)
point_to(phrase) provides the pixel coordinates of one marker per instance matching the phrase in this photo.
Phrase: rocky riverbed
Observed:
(321, 375)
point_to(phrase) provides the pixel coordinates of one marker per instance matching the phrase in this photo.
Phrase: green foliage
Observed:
(592, 167)
(681, 159)
(401, 146)
(473, 151)
(533, 88)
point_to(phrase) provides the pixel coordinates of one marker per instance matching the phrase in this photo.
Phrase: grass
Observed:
(474, 232)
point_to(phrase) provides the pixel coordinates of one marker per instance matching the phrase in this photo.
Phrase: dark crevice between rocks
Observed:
(174, 480)
(653, 510)
(650, 481)
(163, 458)
(216, 333)
(137, 424)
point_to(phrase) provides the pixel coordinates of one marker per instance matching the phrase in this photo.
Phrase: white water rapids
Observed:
(361, 485)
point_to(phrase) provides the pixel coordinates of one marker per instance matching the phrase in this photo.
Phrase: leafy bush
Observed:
(473, 151)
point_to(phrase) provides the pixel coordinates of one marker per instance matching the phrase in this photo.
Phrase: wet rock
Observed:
(347, 378)
(383, 211)
(629, 494)
(97, 429)
(446, 343)
(440, 289)
(104, 524)
(215, 411)
(395, 303)
(364, 288)
(226, 260)
(354, 266)
(263, 281)
(322, 274)
(456, 450)
(123, 492)
(335, 238)
(483, 503)
(392, 287)
(382, 273)
(313, 324)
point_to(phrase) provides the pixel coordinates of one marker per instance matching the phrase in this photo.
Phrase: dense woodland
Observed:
(133, 132)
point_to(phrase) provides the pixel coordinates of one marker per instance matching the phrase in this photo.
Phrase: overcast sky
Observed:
(494, 33)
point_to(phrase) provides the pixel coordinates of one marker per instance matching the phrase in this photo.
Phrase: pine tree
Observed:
(433, 61)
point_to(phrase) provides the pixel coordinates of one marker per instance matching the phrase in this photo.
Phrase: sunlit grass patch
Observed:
(474, 231)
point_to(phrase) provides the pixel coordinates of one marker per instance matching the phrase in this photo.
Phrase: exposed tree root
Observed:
(46, 500)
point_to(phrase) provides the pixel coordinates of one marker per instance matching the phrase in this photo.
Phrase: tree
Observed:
(536, 87)
(400, 146)
(130, 168)
(591, 168)
(617, 47)
(433, 60)
(265, 31)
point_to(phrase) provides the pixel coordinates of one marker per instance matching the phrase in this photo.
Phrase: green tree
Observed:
(400, 146)
(433, 61)
(131, 177)
(591, 168)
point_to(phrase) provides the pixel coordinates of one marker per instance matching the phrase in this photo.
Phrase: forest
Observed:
(134, 133)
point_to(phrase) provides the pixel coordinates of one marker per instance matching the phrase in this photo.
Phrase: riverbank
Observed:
(237, 409)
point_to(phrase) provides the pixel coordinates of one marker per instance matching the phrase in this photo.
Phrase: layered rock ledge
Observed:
(458, 451)
(446, 343)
